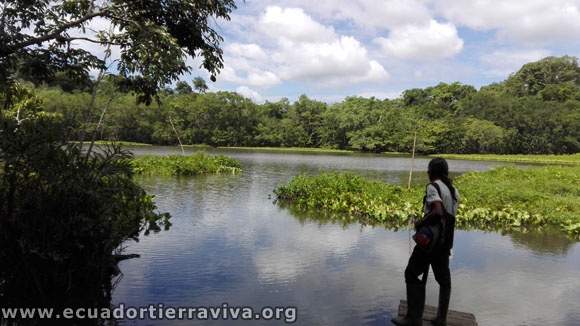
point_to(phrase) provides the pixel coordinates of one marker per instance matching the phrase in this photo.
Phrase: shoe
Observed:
(444, 296)
(415, 306)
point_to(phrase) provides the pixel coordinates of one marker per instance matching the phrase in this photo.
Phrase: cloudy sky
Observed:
(330, 49)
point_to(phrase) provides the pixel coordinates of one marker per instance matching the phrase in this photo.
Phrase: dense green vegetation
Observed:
(295, 149)
(551, 159)
(198, 163)
(121, 143)
(503, 198)
(534, 111)
(66, 213)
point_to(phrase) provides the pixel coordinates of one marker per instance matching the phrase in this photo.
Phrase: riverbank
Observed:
(293, 149)
(179, 165)
(568, 159)
(108, 142)
(548, 159)
(504, 198)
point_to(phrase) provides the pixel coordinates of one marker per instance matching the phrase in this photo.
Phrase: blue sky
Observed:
(330, 49)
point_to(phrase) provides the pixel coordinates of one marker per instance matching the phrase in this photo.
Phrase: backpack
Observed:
(449, 226)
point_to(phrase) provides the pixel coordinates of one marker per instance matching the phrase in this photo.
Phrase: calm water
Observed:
(230, 243)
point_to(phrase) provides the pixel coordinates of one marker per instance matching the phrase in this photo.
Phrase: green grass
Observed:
(122, 143)
(197, 146)
(504, 198)
(294, 149)
(178, 165)
(553, 159)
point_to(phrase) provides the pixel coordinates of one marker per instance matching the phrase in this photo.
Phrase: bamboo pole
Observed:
(412, 161)
(177, 134)
(410, 178)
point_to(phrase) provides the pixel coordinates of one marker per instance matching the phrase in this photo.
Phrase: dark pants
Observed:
(419, 264)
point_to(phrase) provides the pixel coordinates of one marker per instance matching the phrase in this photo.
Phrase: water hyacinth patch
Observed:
(546, 158)
(179, 165)
(504, 198)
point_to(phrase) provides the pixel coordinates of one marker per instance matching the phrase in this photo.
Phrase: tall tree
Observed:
(200, 85)
(63, 211)
(534, 77)
(153, 37)
(183, 88)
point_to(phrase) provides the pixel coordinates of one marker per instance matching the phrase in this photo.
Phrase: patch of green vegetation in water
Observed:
(550, 159)
(179, 165)
(295, 149)
(504, 198)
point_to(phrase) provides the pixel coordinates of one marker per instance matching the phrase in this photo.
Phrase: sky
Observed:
(331, 49)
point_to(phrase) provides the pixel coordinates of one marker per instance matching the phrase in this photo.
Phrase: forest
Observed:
(536, 110)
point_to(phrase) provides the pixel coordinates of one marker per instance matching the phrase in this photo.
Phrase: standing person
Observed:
(440, 206)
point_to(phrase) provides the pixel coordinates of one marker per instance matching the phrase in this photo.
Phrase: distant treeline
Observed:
(535, 111)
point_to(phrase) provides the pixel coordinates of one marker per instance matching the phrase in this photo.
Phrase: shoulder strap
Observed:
(437, 187)
(438, 192)
(447, 239)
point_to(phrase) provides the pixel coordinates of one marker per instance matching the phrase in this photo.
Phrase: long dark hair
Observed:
(440, 170)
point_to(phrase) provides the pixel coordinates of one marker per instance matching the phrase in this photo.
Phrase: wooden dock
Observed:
(454, 318)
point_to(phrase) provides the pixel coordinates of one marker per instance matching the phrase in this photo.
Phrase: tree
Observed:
(482, 137)
(183, 88)
(533, 77)
(415, 96)
(153, 37)
(200, 85)
(447, 95)
(64, 211)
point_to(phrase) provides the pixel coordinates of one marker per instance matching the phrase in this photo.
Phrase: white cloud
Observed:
(504, 62)
(254, 76)
(250, 51)
(430, 42)
(228, 74)
(295, 47)
(384, 13)
(369, 14)
(250, 93)
(527, 22)
(335, 63)
(263, 79)
(295, 25)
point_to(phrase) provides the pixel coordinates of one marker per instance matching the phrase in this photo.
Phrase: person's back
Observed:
(438, 191)
(440, 207)
(446, 199)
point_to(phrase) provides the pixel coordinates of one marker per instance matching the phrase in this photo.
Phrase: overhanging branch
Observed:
(80, 38)
(10, 49)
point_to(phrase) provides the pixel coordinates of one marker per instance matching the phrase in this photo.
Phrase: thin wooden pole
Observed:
(177, 134)
(94, 137)
(412, 161)
(410, 178)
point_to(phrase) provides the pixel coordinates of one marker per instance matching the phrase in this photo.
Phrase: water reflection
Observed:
(230, 243)
(549, 243)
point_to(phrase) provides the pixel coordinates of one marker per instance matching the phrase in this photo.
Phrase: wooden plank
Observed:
(454, 318)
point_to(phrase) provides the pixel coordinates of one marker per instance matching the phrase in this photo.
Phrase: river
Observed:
(231, 244)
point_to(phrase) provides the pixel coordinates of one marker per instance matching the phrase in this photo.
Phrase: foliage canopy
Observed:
(153, 38)
(65, 213)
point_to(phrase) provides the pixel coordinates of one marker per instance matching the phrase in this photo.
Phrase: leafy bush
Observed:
(63, 214)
